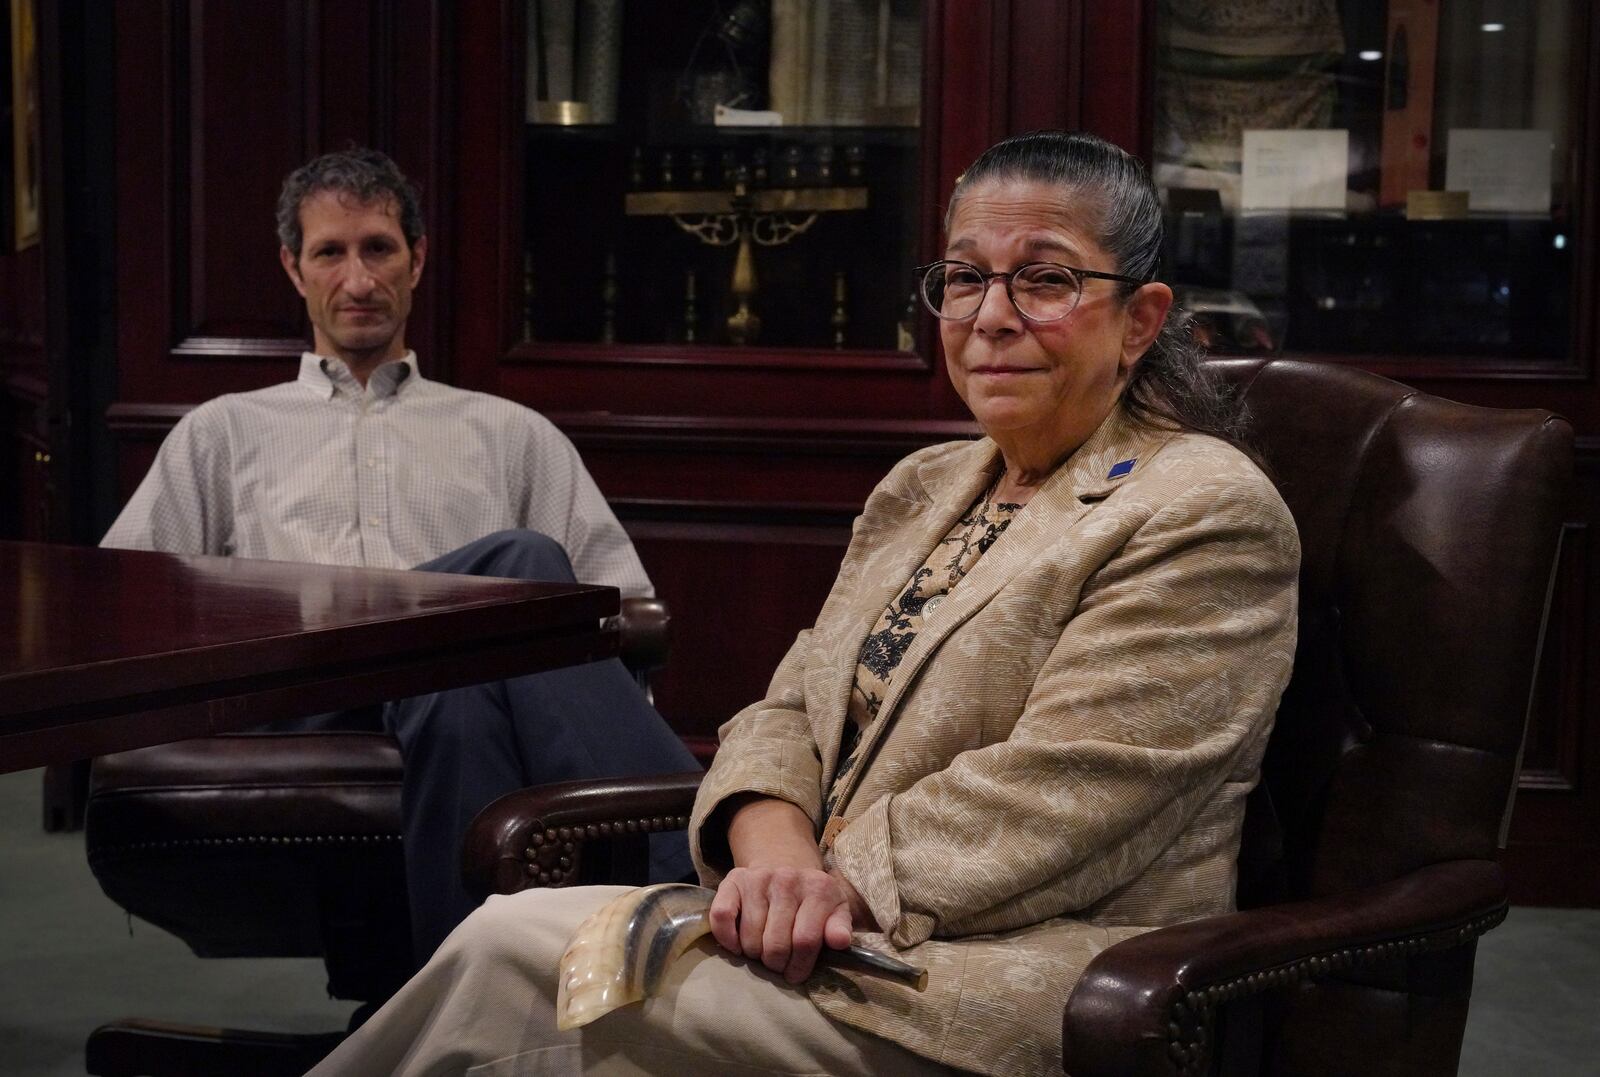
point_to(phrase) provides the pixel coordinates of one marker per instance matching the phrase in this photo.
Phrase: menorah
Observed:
(770, 217)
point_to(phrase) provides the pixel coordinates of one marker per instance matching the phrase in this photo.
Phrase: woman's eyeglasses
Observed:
(1041, 291)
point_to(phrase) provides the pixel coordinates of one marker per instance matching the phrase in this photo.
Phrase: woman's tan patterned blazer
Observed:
(1062, 758)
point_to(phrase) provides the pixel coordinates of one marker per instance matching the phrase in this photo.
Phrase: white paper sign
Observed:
(1501, 171)
(1294, 169)
(723, 116)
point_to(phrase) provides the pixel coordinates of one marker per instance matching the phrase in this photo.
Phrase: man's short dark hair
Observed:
(364, 174)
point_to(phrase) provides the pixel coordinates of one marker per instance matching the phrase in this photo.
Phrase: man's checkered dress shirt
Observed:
(391, 475)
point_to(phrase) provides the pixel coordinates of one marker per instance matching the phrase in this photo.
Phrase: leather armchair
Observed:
(1367, 869)
(269, 845)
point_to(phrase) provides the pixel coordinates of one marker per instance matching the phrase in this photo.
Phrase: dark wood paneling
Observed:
(739, 592)
(222, 99)
(1550, 754)
(775, 464)
(1555, 822)
(138, 430)
(1115, 72)
(31, 507)
(238, 127)
(1043, 92)
(25, 493)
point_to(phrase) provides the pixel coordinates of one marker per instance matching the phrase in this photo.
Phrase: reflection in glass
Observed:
(1362, 177)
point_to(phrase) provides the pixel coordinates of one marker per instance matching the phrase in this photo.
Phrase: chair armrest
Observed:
(1147, 1005)
(646, 634)
(535, 836)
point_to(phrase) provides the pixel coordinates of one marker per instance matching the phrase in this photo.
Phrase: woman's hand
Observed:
(782, 916)
(778, 905)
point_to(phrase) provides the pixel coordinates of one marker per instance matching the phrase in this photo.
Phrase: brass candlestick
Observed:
(527, 295)
(690, 315)
(841, 317)
(608, 301)
(770, 218)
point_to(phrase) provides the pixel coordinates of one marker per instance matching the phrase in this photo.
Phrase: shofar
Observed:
(620, 953)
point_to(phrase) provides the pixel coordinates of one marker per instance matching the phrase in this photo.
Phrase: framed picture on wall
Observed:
(25, 129)
(8, 203)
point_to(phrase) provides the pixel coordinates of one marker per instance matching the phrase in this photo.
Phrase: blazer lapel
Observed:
(1115, 451)
(902, 542)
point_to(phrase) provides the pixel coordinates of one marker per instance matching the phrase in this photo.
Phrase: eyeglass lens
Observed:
(1041, 292)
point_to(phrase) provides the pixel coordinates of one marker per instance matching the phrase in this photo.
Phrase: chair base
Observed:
(66, 792)
(137, 1048)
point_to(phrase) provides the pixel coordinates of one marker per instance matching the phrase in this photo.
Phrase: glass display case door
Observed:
(1373, 180)
(721, 175)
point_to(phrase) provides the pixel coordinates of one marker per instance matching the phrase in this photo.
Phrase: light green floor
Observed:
(69, 960)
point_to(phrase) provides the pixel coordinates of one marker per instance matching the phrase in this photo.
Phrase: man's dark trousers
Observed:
(465, 747)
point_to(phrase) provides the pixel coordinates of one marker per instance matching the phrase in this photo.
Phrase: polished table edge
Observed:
(539, 627)
(134, 722)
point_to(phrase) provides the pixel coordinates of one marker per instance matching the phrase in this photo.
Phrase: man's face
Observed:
(356, 274)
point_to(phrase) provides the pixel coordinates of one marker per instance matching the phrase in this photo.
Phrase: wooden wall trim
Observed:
(681, 432)
(648, 510)
(701, 357)
(809, 437)
(835, 537)
(231, 348)
(1432, 368)
(29, 388)
(144, 420)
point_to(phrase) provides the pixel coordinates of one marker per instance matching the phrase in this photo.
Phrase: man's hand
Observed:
(777, 905)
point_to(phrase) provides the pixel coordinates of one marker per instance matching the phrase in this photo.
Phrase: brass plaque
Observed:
(771, 200)
(1435, 205)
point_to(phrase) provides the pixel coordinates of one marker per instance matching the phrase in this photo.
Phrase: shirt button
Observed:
(932, 604)
(372, 521)
(372, 462)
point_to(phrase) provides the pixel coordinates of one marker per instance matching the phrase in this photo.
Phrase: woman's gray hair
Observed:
(1168, 387)
(365, 175)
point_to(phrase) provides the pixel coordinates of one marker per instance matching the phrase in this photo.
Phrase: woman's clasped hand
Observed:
(779, 907)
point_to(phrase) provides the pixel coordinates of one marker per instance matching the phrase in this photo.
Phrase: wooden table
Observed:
(103, 650)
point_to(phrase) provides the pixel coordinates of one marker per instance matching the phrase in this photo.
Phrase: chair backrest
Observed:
(1429, 530)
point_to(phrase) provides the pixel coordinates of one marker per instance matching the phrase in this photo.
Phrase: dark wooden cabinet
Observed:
(737, 469)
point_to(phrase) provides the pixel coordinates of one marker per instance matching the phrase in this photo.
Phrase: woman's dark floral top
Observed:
(950, 561)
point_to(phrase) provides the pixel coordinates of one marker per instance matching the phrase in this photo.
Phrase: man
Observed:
(363, 461)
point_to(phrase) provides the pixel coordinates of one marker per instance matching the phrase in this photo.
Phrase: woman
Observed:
(1022, 728)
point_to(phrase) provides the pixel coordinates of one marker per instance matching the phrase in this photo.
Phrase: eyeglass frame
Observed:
(988, 278)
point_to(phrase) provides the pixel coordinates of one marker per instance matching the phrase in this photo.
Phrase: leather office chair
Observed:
(1367, 871)
(269, 845)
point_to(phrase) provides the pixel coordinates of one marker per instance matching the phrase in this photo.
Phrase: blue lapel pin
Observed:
(1119, 470)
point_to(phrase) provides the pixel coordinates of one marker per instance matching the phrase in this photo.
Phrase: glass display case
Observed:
(722, 173)
(1361, 178)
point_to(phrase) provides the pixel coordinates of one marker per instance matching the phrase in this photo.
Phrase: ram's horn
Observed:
(621, 953)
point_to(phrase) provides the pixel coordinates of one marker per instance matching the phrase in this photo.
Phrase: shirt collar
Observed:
(329, 376)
